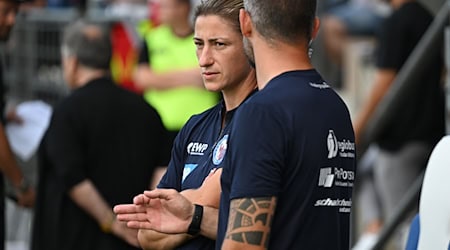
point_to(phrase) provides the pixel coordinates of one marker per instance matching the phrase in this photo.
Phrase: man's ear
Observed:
(315, 29)
(246, 23)
(73, 64)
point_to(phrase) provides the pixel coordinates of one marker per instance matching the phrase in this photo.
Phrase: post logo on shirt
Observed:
(220, 150)
(197, 148)
(344, 148)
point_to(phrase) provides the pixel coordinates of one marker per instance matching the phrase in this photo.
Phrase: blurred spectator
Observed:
(405, 142)
(168, 68)
(24, 193)
(101, 149)
(353, 18)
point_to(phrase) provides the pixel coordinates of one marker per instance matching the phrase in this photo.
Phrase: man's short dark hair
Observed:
(285, 20)
(89, 42)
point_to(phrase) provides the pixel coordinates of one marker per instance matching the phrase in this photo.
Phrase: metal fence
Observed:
(32, 56)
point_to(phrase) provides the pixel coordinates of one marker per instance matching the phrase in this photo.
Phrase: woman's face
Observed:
(220, 53)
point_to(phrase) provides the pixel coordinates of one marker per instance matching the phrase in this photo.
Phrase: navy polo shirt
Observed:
(294, 140)
(199, 147)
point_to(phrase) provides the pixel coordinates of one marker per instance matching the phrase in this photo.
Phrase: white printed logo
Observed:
(326, 178)
(344, 205)
(197, 148)
(336, 176)
(322, 85)
(332, 145)
(345, 148)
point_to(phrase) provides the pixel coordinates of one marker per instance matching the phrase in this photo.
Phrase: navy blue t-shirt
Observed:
(294, 140)
(199, 147)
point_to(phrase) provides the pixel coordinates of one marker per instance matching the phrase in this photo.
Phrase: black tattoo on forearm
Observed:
(250, 220)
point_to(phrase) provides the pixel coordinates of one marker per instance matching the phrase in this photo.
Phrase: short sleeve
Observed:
(65, 148)
(391, 42)
(257, 145)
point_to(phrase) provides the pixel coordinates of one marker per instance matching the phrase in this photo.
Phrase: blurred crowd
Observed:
(153, 56)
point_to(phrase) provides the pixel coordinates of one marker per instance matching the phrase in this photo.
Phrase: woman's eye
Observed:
(219, 44)
(198, 44)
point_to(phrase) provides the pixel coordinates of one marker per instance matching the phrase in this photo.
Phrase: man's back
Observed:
(101, 133)
(305, 157)
(121, 133)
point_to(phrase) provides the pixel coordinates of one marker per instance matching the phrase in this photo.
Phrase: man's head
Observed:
(8, 12)
(85, 45)
(289, 21)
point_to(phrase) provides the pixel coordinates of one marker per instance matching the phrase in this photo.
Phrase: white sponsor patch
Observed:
(196, 148)
(343, 204)
(333, 176)
(344, 148)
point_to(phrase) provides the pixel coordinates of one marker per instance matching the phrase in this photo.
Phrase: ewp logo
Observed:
(197, 148)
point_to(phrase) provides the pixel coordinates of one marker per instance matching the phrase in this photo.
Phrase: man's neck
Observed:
(273, 60)
(86, 75)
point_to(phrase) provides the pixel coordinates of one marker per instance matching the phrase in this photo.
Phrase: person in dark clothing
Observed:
(201, 145)
(101, 149)
(288, 172)
(9, 168)
(406, 140)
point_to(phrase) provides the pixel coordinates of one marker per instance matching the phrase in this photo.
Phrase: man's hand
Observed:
(27, 198)
(162, 210)
(127, 234)
(12, 116)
